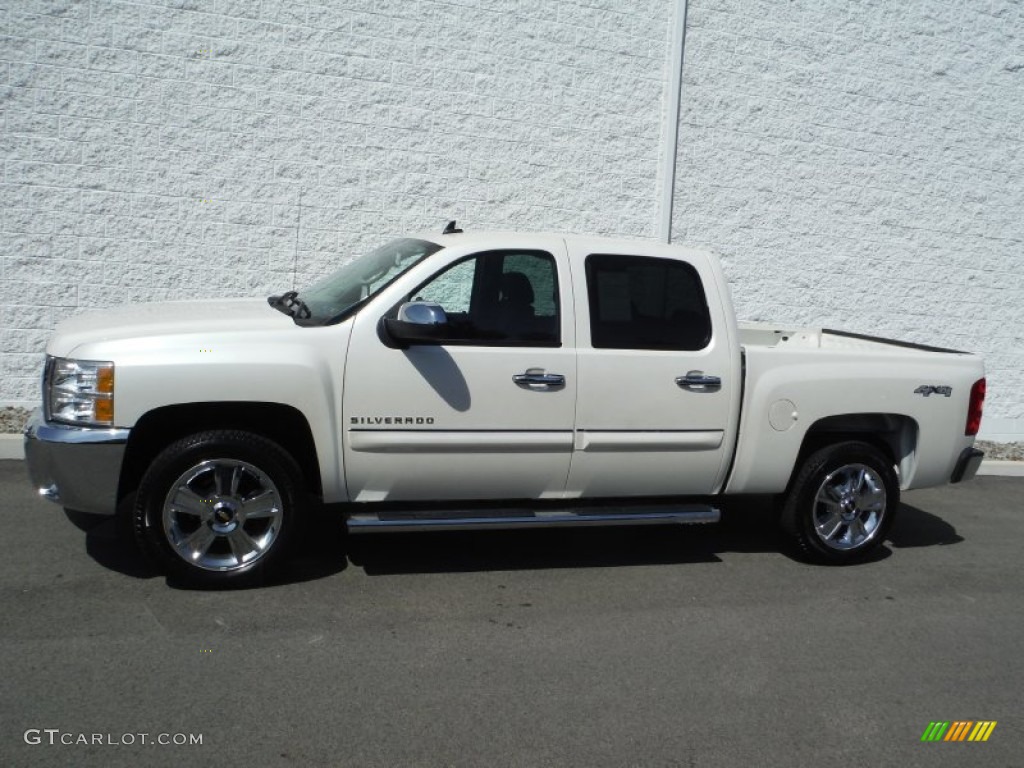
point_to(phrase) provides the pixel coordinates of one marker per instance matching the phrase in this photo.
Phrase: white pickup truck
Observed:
(488, 380)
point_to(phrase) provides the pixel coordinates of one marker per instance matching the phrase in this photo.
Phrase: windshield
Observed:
(334, 296)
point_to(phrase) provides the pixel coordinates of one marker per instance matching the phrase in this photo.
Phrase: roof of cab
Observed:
(593, 243)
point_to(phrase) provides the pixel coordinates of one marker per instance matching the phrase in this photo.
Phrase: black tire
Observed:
(841, 503)
(219, 508)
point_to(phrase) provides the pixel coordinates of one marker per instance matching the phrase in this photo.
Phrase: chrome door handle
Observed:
(539, 379)
(698, 382)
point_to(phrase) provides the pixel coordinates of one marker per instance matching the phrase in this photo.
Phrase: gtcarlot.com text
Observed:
(55, 737)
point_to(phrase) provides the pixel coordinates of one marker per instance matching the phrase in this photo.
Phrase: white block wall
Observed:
(158, 150)
(861, 166)
(860, 169)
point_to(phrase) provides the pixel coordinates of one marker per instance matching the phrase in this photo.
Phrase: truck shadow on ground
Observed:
(916, 528)
(747, 525)
(110, 542)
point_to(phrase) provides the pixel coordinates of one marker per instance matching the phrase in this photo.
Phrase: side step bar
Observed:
(470, 520)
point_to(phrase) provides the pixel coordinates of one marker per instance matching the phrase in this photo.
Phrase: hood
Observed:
(166, 318)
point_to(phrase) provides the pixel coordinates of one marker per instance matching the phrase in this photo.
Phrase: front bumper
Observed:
(76, 467)
(967, 465)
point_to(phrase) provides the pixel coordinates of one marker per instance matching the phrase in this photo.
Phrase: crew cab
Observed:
(488, 380)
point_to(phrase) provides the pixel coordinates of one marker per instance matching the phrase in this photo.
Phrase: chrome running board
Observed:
(498, 519)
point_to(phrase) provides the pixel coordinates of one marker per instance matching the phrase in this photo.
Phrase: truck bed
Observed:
(753, 334)
(794, 378)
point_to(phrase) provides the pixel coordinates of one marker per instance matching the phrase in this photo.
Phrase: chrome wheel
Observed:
(849, 507)
(222, 515)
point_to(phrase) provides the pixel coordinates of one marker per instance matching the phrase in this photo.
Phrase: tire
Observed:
(841, 504)
(219, 508)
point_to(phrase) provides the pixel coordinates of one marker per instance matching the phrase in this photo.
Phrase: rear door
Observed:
(488, 414)
(659, 377)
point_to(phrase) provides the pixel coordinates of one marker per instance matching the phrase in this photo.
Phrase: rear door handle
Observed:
(534, 378)
(696, 381)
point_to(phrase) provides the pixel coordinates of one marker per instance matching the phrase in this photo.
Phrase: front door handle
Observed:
(696, 381)
(537, 378)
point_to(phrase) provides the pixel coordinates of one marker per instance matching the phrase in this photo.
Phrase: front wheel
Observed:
(842, 503)
(219, 507)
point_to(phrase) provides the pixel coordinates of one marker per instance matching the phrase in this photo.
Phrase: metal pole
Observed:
(671, 128)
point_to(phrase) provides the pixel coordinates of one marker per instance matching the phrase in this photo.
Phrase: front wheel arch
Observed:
(280, 423)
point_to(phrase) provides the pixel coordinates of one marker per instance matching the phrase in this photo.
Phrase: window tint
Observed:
(540, 273)
(638, 302)
(499, 297)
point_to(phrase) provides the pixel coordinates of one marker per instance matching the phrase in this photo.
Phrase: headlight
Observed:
(79, 391)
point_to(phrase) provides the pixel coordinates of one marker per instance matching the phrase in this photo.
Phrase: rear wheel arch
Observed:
(894, 435)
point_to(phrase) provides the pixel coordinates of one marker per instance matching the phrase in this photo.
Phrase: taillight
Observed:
(974, 409)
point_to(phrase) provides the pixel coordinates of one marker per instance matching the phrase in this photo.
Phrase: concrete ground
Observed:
(701, 646)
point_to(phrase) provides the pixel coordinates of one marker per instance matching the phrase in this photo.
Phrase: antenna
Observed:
(451, 229)
(298, 223)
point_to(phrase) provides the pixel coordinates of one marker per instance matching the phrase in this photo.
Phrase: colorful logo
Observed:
(959, 730)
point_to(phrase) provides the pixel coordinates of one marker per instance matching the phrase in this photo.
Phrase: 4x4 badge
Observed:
(928, 389)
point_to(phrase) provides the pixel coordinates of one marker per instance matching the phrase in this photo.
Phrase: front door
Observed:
(487, 413)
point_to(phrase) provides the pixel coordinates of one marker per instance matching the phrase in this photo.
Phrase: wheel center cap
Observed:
(848, 509)
(224, 519)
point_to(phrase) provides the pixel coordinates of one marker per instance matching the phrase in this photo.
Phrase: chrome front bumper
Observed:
(76, 467)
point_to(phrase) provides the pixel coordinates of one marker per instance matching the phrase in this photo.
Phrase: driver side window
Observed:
(452, 289)
(499, 298)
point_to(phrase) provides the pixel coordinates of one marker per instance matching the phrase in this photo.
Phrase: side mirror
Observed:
(418, 322)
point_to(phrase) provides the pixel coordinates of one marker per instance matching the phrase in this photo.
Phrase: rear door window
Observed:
(641, 302)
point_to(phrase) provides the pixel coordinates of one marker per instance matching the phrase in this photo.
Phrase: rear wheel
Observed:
(842, 503)
(219, 507)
